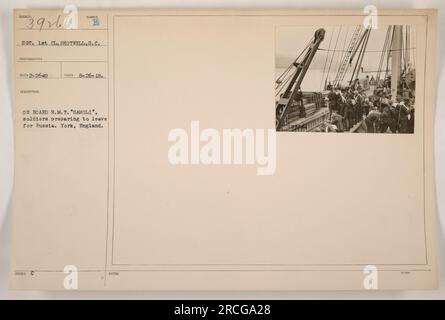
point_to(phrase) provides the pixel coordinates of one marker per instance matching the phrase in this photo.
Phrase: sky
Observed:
(291, 40)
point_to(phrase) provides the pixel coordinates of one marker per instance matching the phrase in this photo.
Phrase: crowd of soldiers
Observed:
(351, 108)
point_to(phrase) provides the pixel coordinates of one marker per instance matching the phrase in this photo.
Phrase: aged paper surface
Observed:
(105, 200)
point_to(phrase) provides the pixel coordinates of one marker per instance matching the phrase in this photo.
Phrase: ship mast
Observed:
(396, 60)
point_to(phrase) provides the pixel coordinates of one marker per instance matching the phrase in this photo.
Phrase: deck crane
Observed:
(293, 86)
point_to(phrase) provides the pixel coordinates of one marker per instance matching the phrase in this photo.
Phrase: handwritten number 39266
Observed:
(44, 23)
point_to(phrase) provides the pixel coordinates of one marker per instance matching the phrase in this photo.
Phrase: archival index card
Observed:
(223, 150)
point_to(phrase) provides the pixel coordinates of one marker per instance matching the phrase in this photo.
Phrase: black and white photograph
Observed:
(345, 79)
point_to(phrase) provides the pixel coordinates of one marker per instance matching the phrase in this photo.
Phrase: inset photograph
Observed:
(345, 79)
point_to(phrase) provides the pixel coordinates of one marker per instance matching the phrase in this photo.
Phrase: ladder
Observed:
(344, 64)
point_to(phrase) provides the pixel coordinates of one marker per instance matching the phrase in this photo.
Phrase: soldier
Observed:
(356, 83)
(403, 117)
(325, 103)
(410, 124)
(384, 102)
(333, 100)
(359, 107)
(355, 110)
(366, 83)
(393, 125)
(337, 120)
(372, 121)
(331, 128)
(278, 111)
(366, 107)
(385, 117)
(349, 114)
(341, 104)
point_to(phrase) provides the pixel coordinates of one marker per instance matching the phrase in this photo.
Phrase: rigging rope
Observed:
(336, 42)
(342, 57)
(358, 64)
(327, 57)
(295, 60)
(287, 75)
(389, 51)
(284, 84)
(344, 62)
(408, 43)
(367, 51)
(413, 35)
(382, 57)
